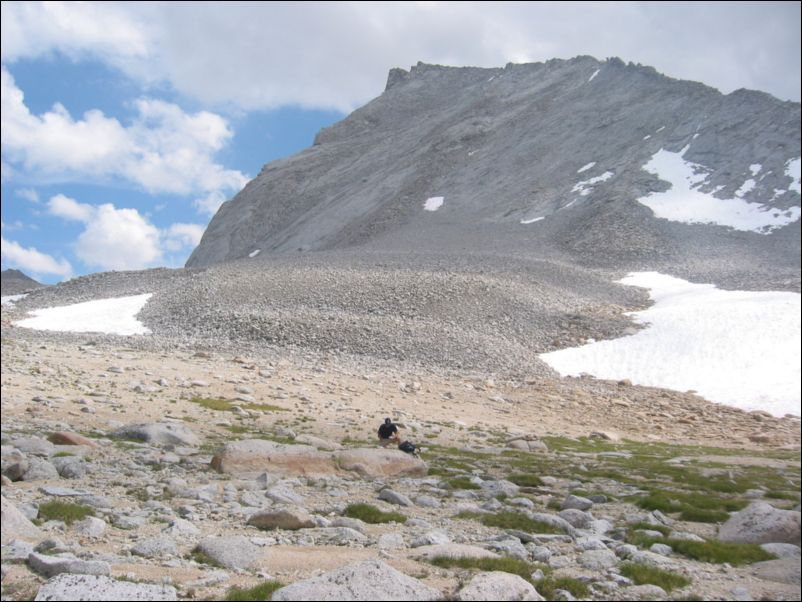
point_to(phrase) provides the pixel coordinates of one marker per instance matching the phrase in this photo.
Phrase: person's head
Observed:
(387, 421)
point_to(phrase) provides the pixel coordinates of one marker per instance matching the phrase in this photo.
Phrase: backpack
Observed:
(407, 447)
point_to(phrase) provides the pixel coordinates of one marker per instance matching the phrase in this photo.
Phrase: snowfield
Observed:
(110, 316)
(740, 348)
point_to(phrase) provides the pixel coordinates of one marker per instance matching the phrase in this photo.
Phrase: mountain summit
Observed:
(597, 163)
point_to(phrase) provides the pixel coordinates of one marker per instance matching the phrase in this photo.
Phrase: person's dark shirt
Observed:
(387, 430)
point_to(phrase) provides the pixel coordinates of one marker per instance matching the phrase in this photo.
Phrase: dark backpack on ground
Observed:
(407, 447)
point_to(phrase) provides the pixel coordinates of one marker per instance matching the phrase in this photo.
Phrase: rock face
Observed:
(14, 282)
(15, 525)
(159, 434)
(88, 587)
(762, 523)
(381, 463)
(255, 456)
(499, 586)
(545, 156)
(372, 580)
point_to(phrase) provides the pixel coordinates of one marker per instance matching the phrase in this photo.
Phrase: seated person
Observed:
(388, 433)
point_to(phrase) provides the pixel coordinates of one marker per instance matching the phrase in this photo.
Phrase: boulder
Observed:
(158, 433)
(230, 552)
(498, 585)
(452, 550)
(319, 443)
(393, 497)
(783, 570)
(50, 566)
(15, 525)
(67, 438)
(371, 580)
(376, 462)
(762, 523)
(252, 457)
(92, 587)
(287, 518)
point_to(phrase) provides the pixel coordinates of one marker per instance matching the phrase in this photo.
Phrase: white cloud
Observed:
(163, 150)
(119, 239)
(210, 203)
(32, 261)
(181, 236)
(64, 206)
(31, 29)
(122, 239)
(29, 194)
(326, 54)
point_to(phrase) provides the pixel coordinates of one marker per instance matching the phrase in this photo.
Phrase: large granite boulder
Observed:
(371, 580)
(762, 523)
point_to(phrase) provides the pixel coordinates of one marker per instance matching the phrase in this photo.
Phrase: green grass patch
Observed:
(697, 515)
(719, 552)
(238, 430)
(510, 520)
(203, 558)
(508, 565)
(782, 495)
(264, 407)
(642, 574)
(525, 480)
(462, 483)
(371, 514)
(698, 507)
(263, 591)
(548, 587)
(63, 454)
(220, 405)
(647, 526)
(64, 511)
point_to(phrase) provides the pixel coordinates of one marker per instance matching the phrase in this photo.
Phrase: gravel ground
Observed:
(490, 314)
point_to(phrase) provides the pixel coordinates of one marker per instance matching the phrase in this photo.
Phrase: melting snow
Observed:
(755, 168)
(595, 73)
(740, 348)
(585, 187)
(112, 316)
(433, 203)
(532, 221)
(682, 203)
(792, 168)
(586, 167)
(254, 253)
(647, 136)
(12, 299)
(660, 129)
(747, 186)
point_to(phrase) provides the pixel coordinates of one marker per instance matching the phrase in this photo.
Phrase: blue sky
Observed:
(125, 125)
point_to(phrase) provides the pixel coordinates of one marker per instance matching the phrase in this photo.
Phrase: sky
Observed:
(126, 125)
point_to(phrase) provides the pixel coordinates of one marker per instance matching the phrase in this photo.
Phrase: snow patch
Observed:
(660, 129)
(792, 168)
(12, 299)
(682, 203)
(585, 187)
(755, 168)
(647, 136)
(532, 221)
(254, 253)
(586, 167)
(433, 203)
(595, 73)
(111, 316)
(747, 186)
(740, 348)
